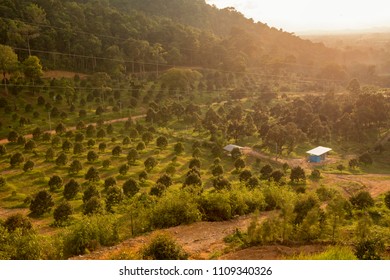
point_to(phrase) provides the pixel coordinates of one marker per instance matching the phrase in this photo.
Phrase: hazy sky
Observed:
(305, 15)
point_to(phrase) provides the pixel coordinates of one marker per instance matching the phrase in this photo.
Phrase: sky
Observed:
(303, 16)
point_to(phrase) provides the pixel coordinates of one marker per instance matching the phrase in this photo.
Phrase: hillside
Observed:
(134, 36)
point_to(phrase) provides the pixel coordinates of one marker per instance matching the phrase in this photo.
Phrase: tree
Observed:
(3, 150)
(109, 182)
(130, 187)
(245, 175)
(55, 183)
(239, 164)
(192, 179)
(362, 200)
(78, 148)
(13, 136)
(8, 62)
(236, 153)
(62, 160)
(32, 68)
(123, 169)
(158, 190)
(297, 174)
(162, 142)
(132, 156)
(366, 159)
(16, 159)
(93, 206)
(62, 212)
(266, 171)
(92, 156)
(50, 154)
(166, 180)
(194, 162)
(150, 163)
(221, 183)
(276, 176)
(30, 145)
(252, 183)
(60, 128)
(92, 175)
(75, 167)
(217, 170)
(67, 145)
(147, 137)
(353, 163)
(28, 166)
(114, 197)
(387, 200)
(102, 147)
(90, 192)
(141, 146)
(178, 148)
(71, 189)
(41, 204)
(340, 168)
(116, 151)
(181, 79)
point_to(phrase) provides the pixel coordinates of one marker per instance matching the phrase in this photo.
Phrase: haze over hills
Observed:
(130, 36)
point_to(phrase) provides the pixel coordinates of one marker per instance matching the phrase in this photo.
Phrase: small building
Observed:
(229, 148)
(318, 154)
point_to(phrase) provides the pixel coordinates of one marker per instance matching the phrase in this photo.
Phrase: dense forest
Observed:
(132, 140)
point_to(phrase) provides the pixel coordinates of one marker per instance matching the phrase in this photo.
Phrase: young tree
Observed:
(116, 151)
(75, 167)
(162, 142)
(55, 183)
(16, 159)
(297, 174)
(245, 175)
(90, 192)
(178, 148)
(50, 154)
(41, 204)
(92, 156)
(71, 189)
(78, 148)
(28, 166)
(109, 182)
(30, 145)
(150, 163)
(362, 200)
(93, 206)
(130, 188)
(92, 175)
(123, 169)
(266, 171)
(62, 212)
(3, 150)
(194, 162)
(217, 170)
(132, 156)
(114, 197)
(239, 164)
(166, 180)
(147, 137)
(18, 221)
(62, 160)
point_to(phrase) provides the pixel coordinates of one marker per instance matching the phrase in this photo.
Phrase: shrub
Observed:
(362, 200)
(174, 209)
(18, 221)
(163, 247)
(89, 234)
(215, 206)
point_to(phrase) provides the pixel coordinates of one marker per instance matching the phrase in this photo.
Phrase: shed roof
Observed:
(319, 151)
(230, 147)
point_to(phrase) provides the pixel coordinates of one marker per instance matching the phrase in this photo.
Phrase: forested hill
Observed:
(136, 35)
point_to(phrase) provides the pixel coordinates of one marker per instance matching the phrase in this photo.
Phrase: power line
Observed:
(124, 39)
(308, 80)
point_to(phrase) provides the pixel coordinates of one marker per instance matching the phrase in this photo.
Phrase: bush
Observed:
(370, 249)
(163, 247)
(89, 234)
(216, 206)
(18, 221)
(174, 209)
(362, 200)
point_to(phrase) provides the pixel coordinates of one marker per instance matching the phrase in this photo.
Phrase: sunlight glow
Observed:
(308, 15)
